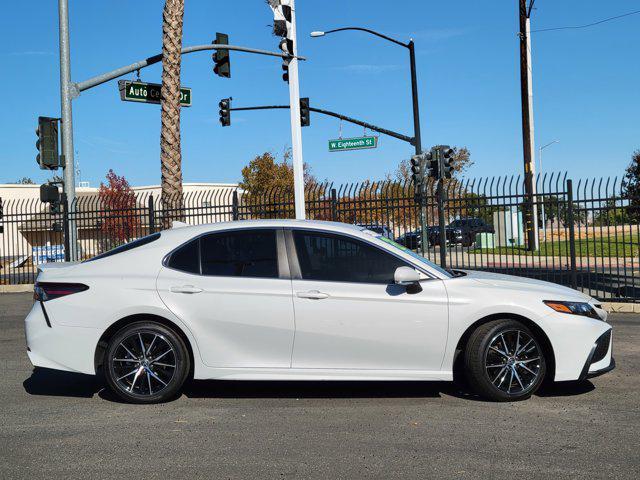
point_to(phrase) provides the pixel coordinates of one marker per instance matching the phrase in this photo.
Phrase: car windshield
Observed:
(419, 258)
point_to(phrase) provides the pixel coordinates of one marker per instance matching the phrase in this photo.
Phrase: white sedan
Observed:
(304, 300)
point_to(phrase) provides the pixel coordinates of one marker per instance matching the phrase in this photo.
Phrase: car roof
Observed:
(193, 230)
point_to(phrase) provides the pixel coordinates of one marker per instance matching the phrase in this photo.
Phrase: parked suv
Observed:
(412, 239)
(381, 229)
(469, 228)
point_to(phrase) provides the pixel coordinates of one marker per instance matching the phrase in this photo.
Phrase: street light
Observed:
(544, 220)
(414, 84)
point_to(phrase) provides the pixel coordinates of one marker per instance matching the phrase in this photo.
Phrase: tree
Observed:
(24, 181)
(631, 187)
(265, 175)
(119, 221)
(268, 186)
(170, 154)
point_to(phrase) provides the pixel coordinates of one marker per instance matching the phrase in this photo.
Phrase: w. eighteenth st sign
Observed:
(356, 143)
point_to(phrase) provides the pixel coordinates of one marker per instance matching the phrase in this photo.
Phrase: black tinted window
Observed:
(243, 253)
(127, 246)
(325, 256)
(186, 258)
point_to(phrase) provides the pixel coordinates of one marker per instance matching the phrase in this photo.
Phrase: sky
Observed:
(585, 83)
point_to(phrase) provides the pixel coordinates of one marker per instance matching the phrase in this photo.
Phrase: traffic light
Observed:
(47, 144)
(446, 157)
(225, 112)
(286, 46)
(222, 66)
(417, 172)
(433, 164)
(417, 175)
(282, 28)
(305, 118)
(49, 194)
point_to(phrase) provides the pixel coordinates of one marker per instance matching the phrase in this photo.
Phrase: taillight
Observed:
(43, 291)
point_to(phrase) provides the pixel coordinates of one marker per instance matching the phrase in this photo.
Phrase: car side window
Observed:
(186, 258)
(339, 258)
(240, 253)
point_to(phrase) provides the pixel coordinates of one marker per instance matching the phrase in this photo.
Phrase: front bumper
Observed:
(600, 359)
(602, 371)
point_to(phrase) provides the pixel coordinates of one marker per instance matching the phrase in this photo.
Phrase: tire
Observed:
(493, 369)
(153, 375)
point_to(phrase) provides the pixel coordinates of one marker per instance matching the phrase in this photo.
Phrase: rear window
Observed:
(127, 246)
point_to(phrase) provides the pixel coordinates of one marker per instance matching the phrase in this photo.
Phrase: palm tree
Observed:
(170, 154)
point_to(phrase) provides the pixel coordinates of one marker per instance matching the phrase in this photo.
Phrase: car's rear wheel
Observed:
(146, 362)
(504, 361)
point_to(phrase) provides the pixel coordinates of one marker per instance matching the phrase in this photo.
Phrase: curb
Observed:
(22, 288)
(621, 307)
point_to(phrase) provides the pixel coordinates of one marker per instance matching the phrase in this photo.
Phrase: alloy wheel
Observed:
(513, 361)
(144, 363)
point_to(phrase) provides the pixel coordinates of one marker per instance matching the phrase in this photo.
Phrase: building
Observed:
(31, 232)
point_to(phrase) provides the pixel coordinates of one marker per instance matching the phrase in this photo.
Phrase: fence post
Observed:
(572, 235)
(443, 233)
(65, 226)
(152, 215)
(234, 206)
(334, 205)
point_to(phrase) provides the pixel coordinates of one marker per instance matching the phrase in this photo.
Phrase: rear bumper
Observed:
(59, 347)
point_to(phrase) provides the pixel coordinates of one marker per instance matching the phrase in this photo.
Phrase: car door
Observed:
(232, 288)
(349, 313)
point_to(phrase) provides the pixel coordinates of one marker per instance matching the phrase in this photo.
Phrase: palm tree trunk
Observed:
(170, 154)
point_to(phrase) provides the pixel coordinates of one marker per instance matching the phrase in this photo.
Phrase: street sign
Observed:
(356, 143)
(148, 92)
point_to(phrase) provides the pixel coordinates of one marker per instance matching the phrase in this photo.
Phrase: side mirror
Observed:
(406, 276)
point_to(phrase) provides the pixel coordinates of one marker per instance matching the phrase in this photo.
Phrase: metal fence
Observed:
(588, 232)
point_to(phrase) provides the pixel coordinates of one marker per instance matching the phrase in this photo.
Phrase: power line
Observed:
(587, 25)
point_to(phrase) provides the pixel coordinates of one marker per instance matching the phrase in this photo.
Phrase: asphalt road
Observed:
(55, 425)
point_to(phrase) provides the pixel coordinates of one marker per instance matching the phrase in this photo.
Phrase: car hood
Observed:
(551, 290)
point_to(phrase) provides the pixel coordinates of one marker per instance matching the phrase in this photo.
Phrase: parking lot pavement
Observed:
(59, 424)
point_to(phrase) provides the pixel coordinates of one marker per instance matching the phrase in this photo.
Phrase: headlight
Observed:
(574, 308)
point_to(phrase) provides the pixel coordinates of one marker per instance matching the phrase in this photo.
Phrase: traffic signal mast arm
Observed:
(355, 121)
(118, 72)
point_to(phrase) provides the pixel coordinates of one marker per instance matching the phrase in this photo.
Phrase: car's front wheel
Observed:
(504, 361)
(146, 362)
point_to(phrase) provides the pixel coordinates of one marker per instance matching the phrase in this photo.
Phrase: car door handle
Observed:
(186, 289)
(312, 294)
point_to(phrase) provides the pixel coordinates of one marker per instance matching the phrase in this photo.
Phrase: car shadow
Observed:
(45, 381)
(565, 389)
(314, 389)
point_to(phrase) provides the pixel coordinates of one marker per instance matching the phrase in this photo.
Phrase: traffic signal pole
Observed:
(67, 125)
(418, 145)
(296, 128)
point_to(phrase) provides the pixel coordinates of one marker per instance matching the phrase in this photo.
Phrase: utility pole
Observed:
(526, 95)
(67, 123)
(296, 128)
